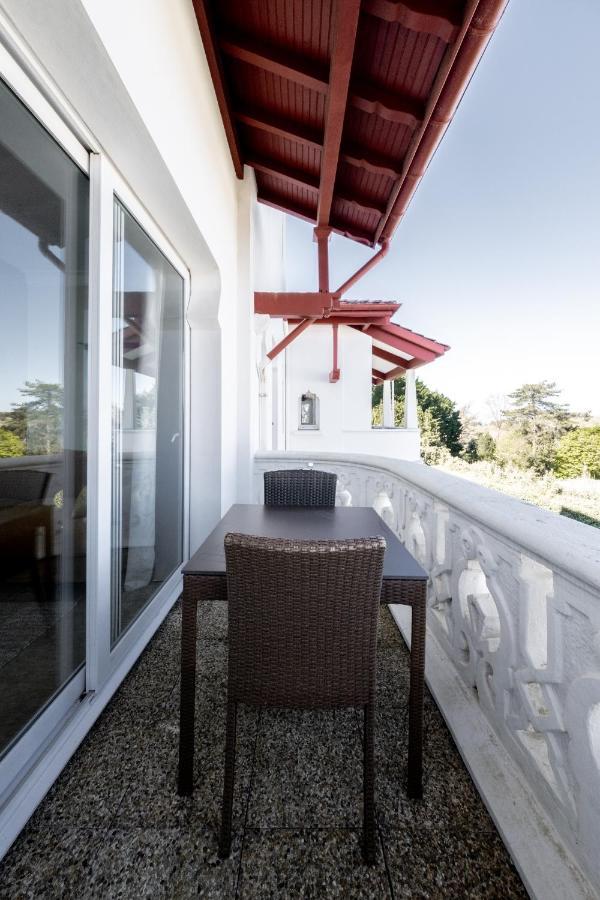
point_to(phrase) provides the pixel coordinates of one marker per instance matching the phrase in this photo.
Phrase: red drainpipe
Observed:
(363, 270)
(462, 59)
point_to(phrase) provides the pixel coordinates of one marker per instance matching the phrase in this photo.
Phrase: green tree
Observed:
(42, 410)
(578, 453)
(10, 444)
(536, 415)
(443, 418)
(486, 446)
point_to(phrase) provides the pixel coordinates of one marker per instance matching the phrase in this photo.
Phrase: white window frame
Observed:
(32, 765)
(39, 733)
(106, 186)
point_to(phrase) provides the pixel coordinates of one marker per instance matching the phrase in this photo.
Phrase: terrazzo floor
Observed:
(113, 826)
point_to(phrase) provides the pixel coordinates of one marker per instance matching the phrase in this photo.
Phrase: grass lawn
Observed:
(576, 498)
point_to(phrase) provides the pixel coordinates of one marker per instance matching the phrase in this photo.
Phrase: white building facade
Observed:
(130, 255)
(159, 388)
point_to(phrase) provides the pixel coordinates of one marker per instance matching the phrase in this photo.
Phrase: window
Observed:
(43, 461)
(147, 420)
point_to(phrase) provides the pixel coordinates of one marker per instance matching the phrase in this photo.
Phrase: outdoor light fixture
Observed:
(309, 412)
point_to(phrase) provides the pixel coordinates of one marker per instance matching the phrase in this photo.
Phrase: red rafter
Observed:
(401, 343)
(296, 177)
(344, 25)
(278, 62)
(217, 75)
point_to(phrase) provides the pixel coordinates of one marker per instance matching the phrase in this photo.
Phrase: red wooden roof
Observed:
(339, 105)
(395, 348)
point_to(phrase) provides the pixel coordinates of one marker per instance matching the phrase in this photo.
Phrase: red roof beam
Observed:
(295, 177)
(370, 98)
(405, 346)
(287, 340)
(218, 79)
(354, 155)
(389, 357)
(292, 305)
(451, 81)
(308, 214)
(289, 131)
(278, 62)
(419, 339)
(440, 18)
(283, 203)
(339, 320)
(344, 25)
(395, 373)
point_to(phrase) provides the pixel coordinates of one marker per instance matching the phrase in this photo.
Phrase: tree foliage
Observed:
(38, 418)
(578, 453)
(536, 416)
(10, 444)
(480, 447)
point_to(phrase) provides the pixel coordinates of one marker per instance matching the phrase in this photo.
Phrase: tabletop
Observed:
(308, 523)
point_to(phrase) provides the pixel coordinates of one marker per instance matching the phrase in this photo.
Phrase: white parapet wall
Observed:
(513, 655)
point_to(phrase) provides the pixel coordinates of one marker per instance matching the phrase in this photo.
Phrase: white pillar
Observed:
(388, 404)
(410, 400)
(265, 409)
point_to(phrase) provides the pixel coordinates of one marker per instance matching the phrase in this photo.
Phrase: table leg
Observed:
(415, 699)
(188, 694)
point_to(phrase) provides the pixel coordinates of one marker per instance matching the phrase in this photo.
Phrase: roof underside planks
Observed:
(339, 105)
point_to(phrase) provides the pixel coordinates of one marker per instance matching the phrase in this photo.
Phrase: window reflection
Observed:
(43, 348)
(147, 485)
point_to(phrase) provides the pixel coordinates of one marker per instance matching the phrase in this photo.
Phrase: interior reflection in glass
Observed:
(43, 353)
(147, 482)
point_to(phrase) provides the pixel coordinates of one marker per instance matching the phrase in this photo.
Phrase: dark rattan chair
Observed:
(300, 487)
(302, 635)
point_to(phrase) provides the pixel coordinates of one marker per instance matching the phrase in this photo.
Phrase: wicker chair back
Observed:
(300, 487)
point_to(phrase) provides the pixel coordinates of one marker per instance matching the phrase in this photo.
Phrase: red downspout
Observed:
(363, 270)
(457, 69)
(334, 375)
(322, 235)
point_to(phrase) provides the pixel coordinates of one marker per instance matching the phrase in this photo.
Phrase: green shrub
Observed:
(578, 453)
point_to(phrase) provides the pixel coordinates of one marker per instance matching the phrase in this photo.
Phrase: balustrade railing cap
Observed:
(561, 543)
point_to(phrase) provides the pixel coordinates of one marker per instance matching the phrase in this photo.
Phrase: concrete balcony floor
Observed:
(113, 825)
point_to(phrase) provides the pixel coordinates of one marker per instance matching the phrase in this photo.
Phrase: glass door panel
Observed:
(147, 421)
(43, 351)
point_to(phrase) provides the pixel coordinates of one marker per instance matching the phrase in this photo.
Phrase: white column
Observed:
(410, 400)
(388, 404)
(265, 410)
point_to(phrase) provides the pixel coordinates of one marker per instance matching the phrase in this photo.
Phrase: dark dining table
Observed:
(204, 579)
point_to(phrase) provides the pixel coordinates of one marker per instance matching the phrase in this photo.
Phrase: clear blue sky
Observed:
(499, 253)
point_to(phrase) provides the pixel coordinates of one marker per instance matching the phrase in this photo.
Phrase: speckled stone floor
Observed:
(114, 827)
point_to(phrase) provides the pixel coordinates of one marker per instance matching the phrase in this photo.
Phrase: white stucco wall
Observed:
(345, 406)
(155, 115)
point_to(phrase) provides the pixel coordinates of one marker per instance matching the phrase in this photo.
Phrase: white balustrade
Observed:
(514, 603)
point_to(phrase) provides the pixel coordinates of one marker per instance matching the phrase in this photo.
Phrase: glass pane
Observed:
(43, 349)
(147, 428)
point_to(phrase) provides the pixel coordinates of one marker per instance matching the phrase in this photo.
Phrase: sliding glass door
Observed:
(43, 356)
(147, 421)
